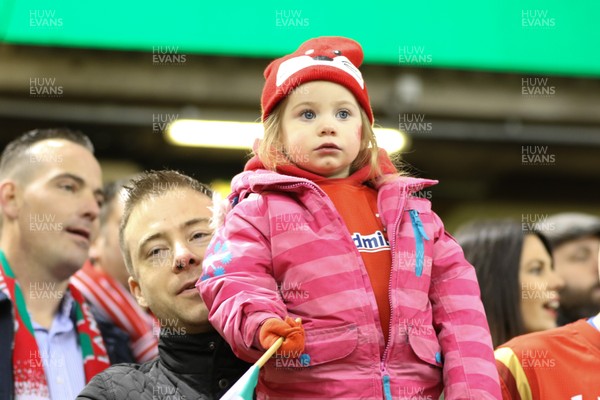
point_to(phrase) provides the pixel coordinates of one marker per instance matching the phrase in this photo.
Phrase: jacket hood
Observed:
(256, 179)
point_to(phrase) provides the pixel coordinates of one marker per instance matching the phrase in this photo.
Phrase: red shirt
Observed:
(357, 205)
(561, 363)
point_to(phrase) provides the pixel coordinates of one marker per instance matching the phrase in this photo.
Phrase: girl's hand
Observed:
(293, 332)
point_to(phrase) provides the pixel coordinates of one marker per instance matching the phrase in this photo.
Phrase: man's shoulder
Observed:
(120, 381)
(126, 372)
(131, 368)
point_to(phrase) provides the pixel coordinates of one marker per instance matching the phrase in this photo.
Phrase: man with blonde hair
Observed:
(164, 232)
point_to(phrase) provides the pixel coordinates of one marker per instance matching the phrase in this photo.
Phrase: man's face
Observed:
(106, 250)
(167, 237)
(58, 204)
(576, 262)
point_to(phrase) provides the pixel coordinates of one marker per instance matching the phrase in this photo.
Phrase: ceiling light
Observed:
(215, 134)
(241, 135)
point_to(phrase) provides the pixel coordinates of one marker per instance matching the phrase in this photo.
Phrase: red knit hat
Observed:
(328, 58)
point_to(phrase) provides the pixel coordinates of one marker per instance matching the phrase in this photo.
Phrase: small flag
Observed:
(244, 387)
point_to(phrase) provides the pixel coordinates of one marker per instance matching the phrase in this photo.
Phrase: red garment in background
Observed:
(118, 305)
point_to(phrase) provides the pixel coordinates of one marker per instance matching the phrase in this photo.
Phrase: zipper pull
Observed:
(416, 221)
(420, 235)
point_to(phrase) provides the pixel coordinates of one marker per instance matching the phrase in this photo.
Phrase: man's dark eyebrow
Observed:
(146, 240)
(76, 178)
(158, 235)
(195, 221)
(79, 180)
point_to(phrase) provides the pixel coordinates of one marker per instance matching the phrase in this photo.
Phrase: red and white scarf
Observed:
(29, 377)
(108, 295)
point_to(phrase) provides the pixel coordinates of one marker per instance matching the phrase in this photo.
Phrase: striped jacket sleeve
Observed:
(237, 283)
(458, 315)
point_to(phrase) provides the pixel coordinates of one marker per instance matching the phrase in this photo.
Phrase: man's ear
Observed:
(136, 291)
(8, 198)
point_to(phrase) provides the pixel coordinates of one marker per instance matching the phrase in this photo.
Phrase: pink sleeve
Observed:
(237, 284)
(458, 315)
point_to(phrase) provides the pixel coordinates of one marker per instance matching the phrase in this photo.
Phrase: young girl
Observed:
(322, 229)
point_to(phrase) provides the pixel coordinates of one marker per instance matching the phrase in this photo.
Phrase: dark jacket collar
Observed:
(188, 353)
(203, 361)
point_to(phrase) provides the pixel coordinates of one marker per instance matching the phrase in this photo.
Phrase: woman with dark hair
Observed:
(519, 287)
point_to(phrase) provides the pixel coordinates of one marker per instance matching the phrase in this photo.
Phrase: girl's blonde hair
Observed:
(271, 150)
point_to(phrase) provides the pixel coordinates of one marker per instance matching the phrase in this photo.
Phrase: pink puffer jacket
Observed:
(284, 250)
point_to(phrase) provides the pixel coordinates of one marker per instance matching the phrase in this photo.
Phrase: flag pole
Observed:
(244, 388)
(269, 353)
(274, 347)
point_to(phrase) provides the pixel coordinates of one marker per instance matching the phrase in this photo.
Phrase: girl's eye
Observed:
(308, 114)
(343, 114)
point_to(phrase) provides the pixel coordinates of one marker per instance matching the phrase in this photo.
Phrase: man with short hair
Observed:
(575, 240)
(103, 282)
(50, 197)
(164, 233)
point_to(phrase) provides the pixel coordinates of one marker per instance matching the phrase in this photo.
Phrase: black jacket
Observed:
(199, 366)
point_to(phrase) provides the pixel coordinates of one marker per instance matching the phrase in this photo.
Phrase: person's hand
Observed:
(292, 332)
